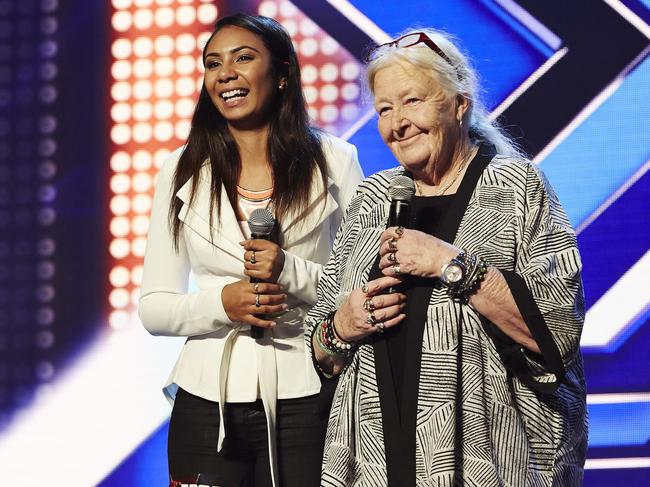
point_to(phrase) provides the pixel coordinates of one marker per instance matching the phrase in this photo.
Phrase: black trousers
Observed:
(244, 458)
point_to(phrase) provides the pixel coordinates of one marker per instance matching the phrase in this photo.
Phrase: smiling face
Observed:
(239, 77)
(417, 120)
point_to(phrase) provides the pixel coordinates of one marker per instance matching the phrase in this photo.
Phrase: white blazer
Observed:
(214, 256)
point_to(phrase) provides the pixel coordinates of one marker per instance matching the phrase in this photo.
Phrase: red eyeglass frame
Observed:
(421, 39)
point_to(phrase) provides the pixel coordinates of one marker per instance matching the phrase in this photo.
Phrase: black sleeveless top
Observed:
(398, 351)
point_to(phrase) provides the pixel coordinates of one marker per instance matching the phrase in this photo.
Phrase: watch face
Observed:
(452, 273)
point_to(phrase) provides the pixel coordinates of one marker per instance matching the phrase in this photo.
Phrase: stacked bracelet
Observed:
(328, 340)
(475, 269)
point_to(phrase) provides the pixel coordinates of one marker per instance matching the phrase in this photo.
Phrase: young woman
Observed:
(244, 408)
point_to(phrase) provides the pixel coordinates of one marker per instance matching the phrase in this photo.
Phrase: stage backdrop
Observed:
(93, 96)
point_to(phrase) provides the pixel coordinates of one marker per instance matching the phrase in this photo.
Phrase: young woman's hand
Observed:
(263, 259)
(247, 302)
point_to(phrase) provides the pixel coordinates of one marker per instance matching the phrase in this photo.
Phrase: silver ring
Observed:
(396, 268)
(399, 231)
(365, 289)
(371, 319)
(368, 305)
(257, 301)
(256, 288)
(392, 244)
(391, 257)
(253, 260)
(381, 327)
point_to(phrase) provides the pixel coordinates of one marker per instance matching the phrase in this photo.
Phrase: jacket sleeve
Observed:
(329, 286)
(299, 276)
(166, 307)
(547, 288)
(348, 181)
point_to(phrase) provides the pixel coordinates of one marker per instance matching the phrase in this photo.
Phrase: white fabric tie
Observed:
(268, 380)
(267, 371)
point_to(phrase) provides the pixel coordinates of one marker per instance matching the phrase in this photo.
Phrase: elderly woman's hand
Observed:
(406, 251)
(370, 309)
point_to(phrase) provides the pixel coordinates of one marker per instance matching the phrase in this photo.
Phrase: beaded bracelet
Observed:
(322, 344)
(474, 284)
(336, 342)
(319, 343)
(330, 339)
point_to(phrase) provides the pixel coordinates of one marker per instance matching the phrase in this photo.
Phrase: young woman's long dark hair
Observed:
(294, 148)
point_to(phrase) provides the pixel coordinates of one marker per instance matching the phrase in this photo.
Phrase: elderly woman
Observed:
(456, 336)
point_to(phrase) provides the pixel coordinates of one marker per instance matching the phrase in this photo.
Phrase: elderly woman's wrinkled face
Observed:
(417, 120)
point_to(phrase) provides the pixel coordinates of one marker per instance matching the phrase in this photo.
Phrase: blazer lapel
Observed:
(225, 233)
(298, 225)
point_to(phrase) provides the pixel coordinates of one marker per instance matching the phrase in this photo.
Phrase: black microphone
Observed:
(401, 190)
(261, 224)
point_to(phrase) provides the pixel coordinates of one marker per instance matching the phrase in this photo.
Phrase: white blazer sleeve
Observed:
(300, 276)
(166, 307)
(348, 181)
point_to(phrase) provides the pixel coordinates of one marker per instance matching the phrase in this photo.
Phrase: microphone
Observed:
(401, 190)
(261, 224)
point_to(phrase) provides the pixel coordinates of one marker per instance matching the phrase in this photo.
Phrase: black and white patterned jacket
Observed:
(522, 416)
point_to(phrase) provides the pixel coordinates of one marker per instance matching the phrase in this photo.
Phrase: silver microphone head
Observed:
(261, 221)
(402, 188)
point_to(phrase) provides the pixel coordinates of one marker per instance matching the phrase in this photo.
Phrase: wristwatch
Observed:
(453, 272)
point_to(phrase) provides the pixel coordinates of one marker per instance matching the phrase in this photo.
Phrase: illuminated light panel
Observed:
(119, 276)
(122, 21)
(632, 425)
(122, 4)
(206, 14)
(142, 19)
(528, 82)
(618, 398)
(589, 109)
(358, 124)
(114, 419)
(613, 197)
(119, 298)
(120, 161)
(616, 463)
(615, 314)
(119, 227)
(531, 23)
(29, 145)
(121, 112)
(140, 225)
(326, 86)
(625, 12)
(361, 21)
(154, 87)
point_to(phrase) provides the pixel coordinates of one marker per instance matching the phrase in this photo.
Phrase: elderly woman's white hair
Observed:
(457, 78)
